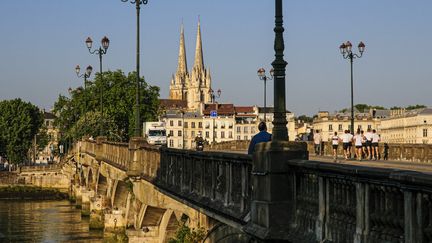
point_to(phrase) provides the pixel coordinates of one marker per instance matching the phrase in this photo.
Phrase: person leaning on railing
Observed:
(261, 137)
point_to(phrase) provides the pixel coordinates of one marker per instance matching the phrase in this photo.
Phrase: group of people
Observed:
(365, 144)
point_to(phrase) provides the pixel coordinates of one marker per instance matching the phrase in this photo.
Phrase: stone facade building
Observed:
(404, 126)
(328, 123)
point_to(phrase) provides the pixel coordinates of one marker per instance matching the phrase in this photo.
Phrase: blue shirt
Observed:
(261, 137)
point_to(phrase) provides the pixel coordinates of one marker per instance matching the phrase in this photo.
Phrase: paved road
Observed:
(401, 165)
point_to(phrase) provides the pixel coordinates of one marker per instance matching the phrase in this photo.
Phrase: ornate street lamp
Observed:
(85, 75)
(137, 131)
(262, 76)
(100, 52)
(346, 51)
(213, 96)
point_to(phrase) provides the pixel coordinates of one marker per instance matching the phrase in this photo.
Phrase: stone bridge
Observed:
(275, 195)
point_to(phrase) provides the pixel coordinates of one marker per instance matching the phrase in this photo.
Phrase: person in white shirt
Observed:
(335, 143)
(346, 139)
(358, 138)
(375, 148)
(317, 142)
(368, 136)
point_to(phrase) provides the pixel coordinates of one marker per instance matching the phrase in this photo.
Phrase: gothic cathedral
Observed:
(194, 88)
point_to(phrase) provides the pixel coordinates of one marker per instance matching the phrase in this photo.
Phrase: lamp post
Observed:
(346, 51)
(100, 52)
(262, 76)
(137, 131)
(213, 95)
(280, 132)
(85, 75)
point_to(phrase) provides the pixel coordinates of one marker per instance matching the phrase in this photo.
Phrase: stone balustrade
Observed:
(219, 181)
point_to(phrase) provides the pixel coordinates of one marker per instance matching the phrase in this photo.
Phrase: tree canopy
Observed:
(80, 113)
(19, 122)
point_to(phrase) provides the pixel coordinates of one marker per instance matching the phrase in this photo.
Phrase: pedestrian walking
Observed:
(368, 136)
(350, 137)
(335, 144)
(358, 138)
(317, 142)
(375, 141)
(346, 138)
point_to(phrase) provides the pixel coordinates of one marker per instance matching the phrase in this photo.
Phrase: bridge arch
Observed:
(121, 192)
(102, 185)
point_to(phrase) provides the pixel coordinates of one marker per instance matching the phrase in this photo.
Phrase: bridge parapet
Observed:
(218, 182)
(346, 203)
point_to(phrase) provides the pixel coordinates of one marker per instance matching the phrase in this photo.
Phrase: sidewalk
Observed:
(401, 165)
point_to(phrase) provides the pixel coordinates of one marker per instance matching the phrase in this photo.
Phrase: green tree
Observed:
(184, 234)
(118, 100)
(413, 107)
(19, 122)
(305, 118)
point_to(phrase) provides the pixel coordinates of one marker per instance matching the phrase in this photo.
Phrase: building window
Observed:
(245, 137)
(330, 128)
(222, 134)
(215, 134)
(230, 134)
(207, 125)
(193, 125)
(186, 125)
(179, 133)
(171, 133)
(171, 143)
(179, 123)
(230, 125)
(252, 130)
(425, 132)
(238, 137)
(340, 127)
(193, 134)
(171, 123)
(239, 130)
(199, 124)
(245, 129)
(207, 134)
(370, 127)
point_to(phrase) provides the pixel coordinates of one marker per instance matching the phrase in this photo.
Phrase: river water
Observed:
(44, 221)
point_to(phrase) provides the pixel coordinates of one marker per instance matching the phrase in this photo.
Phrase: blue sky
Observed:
(42, 41)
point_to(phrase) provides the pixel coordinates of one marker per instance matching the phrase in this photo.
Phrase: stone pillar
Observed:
(97, 218)
(98, 152)
(86, 195)
(115, 226)
(78, 194)
(273, 190)
(135, 166)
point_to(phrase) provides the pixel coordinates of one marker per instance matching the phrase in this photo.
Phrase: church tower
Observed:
(195, 87)
(200, 84)
(179, 80)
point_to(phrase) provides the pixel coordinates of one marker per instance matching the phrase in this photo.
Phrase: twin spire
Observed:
(199, 60)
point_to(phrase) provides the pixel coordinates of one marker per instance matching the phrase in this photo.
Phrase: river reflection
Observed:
(44, 221)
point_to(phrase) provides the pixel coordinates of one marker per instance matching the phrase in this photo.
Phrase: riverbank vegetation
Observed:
(22, 192)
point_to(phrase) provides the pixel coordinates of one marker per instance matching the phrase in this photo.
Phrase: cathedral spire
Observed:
(199, 61)
(182, 64)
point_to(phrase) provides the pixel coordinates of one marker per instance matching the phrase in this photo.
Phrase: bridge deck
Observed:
(402, 165)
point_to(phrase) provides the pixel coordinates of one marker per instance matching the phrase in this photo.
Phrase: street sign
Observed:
(213, 114)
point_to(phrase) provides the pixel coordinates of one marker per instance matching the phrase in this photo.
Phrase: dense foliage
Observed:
(19, 123)
(184, 234)
(80, 114)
